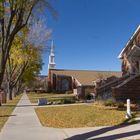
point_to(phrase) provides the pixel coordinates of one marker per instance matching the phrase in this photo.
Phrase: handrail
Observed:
(116, 80)
(126, 81)
(109, 85)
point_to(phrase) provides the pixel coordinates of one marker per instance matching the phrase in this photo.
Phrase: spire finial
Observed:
(52, 47)
(52, 43)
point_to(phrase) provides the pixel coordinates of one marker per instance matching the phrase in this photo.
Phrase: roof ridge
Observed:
(84, 70)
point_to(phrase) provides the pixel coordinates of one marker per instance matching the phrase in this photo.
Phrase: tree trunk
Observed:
(14, 90)
(0, 99)
(2, 69)
(10, 93)
(19, 87)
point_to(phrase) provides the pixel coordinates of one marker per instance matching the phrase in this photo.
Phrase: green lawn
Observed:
(51, 97)
(79, 116)
(7, 109)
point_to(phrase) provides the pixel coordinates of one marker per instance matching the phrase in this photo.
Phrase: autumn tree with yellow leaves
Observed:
(23, 58)
(14, 16)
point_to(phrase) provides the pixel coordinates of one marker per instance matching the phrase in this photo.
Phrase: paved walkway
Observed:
(24, 125)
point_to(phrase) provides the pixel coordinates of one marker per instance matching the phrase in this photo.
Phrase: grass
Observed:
(7, 109)
(79, 116)
(51, 97)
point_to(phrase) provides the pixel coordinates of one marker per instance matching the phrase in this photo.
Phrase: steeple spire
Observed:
(52, 64)
(52, 47)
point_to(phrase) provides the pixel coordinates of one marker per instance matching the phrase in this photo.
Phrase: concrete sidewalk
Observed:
(24, 125)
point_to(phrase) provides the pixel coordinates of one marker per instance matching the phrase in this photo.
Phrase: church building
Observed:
(128, 85)
(81, 81)
(130, 57)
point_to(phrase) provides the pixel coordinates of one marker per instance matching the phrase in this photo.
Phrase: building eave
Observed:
(120, 56)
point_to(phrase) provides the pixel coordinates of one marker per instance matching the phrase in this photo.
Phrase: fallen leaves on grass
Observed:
(79, 116)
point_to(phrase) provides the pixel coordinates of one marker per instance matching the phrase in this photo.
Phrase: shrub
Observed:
(99, 103)
(69, 92)
(88, 96)
(120, 104)
(110, 102)
(68, 101)
(99, 98)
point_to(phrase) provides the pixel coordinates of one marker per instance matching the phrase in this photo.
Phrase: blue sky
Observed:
(89, 34)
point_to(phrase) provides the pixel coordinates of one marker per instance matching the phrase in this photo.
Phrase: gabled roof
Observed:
(86, 77)
(128, 43)
(41, 78)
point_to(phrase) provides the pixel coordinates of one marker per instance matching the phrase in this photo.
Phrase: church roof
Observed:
(41, 78)
(86, 77)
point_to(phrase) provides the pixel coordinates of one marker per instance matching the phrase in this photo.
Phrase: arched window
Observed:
(65, 84)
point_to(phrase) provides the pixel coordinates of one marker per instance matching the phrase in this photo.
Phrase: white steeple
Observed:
(52, 64)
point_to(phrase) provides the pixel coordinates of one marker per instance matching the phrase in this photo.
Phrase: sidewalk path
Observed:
(24, 125)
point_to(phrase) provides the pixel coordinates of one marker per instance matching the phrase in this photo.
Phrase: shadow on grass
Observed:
(26, 105)
(1, 116)
(20, 105)
(98, 132)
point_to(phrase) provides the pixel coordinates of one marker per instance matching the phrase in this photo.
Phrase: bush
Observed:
(88, 96)
(120, 104)
(99, 103)
(69, 92)
(68, 101)
(110, 102)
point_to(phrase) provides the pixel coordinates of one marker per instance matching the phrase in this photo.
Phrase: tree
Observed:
(14, 16)
(22, 59)
(31, 71)
(39, 34)
(29, 76)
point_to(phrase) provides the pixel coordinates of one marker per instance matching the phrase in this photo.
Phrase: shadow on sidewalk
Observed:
(91, 134)
(117, 136)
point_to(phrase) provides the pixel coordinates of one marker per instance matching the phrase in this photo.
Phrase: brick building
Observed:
(130, 56)
(60, 80)
(127, 86)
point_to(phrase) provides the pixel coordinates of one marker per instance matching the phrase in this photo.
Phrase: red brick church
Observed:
(61, 80)
(104, 84)
(130, 56)
(127, 86)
